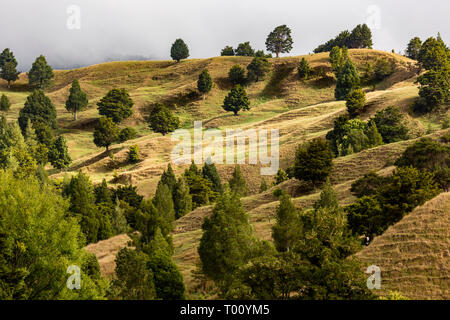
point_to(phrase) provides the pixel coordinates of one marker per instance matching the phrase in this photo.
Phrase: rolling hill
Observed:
(301, 110)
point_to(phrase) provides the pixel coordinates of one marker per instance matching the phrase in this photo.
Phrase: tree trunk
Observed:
(9, 84)
(204, 97)
(75, 115)
(278, 54)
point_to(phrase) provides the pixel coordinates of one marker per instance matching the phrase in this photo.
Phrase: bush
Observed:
(391, 125)
(127, 134)
(304, 69)
(356, 101)
(383, 69)
(236, 75)
(133, 154)
(313, 161)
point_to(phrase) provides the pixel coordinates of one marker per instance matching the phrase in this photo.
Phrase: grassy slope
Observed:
(414, 254)
(301, 110)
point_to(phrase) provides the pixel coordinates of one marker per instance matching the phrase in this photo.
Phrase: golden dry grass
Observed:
(414, 254)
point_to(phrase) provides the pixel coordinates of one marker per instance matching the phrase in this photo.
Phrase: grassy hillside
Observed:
(414, 254)
(301, 110)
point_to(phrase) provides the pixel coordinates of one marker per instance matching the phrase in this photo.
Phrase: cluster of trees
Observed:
(423, 171)
(114, 108)
(360, 37)
(353, 135)
(39, 244)
(278, 41)
(434, 56)
(308, 260)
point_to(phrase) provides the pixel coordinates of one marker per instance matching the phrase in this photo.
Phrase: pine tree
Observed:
(9, 73)
(179, 50)
(281, 177)
(163, 202)
(162, 120)
(375, 138)
(227, 51)
(328, 198)
(133, 281)
(106, 133)
(356, 101)
(258, 68)
(116, 104)
(287, 228)
(236, 100)
(279, 40)
(39, 109)
(8, 65)
(168, 178)
(40, 73)
(236, 75)
(199, 187)
(313, 161)
(209, 172)
(182, 199)
(413, 49)
(245, 50)
(237, 183)
(304, 69)
(59, 154)
(222, 253)
(347, 80)
(77, 100)
(263, 187)
(4, 103)
(133, 154)
(204, 83)
(338, 58)
(102, 193)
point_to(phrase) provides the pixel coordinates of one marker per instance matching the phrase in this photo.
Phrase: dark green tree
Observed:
(433, 54)
(434, 89)
(8, 67)
(77, 100)
(182, 198)
(347, 80)
(102, 193)
(287, 228)
(226, 241)
(106, 133)
(236, 75)
(116, 104)
(168, 280)
(133, 154)
(313, 161)
(204, 83)
(374, 137)
(127, 134)
(236, 100)
(281, 177)
(163, 202)
(237, 183)
(383, 69)
(279, 40)
(304, 69)
(133, 280)
(356, 101)
(58, 155)
(179, 50)
(227, 51)
(245, 50)
(391, 125)
(199, 187)
(258, 68)
(361, 37)
(39, 109)
(9, 73)
(168, 178)
(162, 120)
(4, 103)
(40, 73)
(209, 171)
(413, 49)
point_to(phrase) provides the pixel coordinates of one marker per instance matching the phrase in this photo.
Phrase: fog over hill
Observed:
(138, 29)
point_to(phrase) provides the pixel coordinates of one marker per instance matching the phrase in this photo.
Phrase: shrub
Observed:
(133, 154)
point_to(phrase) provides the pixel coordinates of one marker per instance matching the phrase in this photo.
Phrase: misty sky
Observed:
(125, 29)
